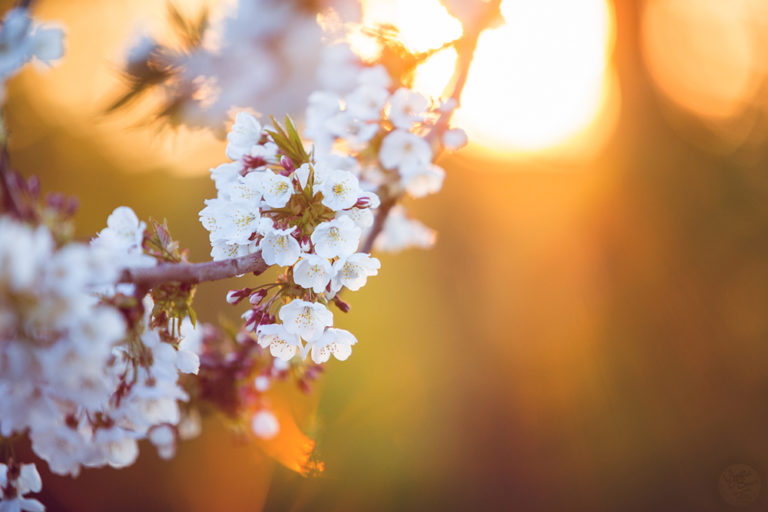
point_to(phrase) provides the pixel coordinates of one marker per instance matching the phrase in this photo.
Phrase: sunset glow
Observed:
(537, 82)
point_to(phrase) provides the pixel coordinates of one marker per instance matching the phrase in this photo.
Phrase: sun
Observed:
(540, 81)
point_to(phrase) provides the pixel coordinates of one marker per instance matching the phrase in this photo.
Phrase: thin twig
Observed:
(378, 223)
(10, 200)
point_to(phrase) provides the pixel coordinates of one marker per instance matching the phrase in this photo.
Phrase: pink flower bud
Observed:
(253, 162)
(343, 306)
(287, 164)
(235, 296)
(257, 296)
(33, 186)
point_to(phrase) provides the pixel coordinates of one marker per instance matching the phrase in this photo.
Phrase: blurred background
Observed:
(590, 331)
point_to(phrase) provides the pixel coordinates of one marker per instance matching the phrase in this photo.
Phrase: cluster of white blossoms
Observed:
(74, 377)
(208, 80)
(308, 219)
(389, 131)
(23, 40)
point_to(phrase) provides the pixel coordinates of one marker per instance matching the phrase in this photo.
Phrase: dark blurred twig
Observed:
(11, 203)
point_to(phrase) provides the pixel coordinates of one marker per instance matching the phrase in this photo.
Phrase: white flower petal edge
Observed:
(353, 271)
(336, 342)
(313, 272)
(281, 343)
(336, 238)
(305, 319)
(245, 133)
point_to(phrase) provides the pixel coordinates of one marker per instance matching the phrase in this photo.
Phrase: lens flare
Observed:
(540, 81)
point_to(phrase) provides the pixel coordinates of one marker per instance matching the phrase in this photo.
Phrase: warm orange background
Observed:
(586, 335)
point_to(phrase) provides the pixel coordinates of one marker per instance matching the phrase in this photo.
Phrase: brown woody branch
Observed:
(149, 277)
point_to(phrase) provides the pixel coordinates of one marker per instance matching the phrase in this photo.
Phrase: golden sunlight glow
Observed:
(540, 81)
(706, 55)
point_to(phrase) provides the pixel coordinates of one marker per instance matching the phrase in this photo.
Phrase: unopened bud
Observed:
(54, 200)
(71, 205)
(305, 243)
(253, 162)
(235, 296)
(257, 296)
(33, 186)
(343, 306)
(287, 163)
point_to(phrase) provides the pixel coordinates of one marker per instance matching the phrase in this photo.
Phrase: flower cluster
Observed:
(208, 78)
(22, 40)
(302, 213)
(82, 373)
(392, 133)
(95, 339)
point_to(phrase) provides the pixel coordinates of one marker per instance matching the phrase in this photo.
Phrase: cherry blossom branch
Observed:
(465, 50)
(149, 277)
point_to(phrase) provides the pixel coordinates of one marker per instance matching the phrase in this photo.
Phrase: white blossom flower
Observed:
(264, 425)
(245, 133)
(407, 107)
(26, 481)
(305, 319)
(402, 232)
(420, 180)
(454, 139)
(280, 247)
(226, 174)
(312, 271)
(323, 104)
(242, 219)
(354, 131)
(125, 226)
(222, 250)
(266, 152)
(164, 439)
(336, 238)
(21, 40)
(376, 76)
(190, 346)
(246, 189)
(362, 217)
(333, 341)
(400, 147)
(366, 102)
(281, 343)
(277, 189)
(340, 189)
(353, 271)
